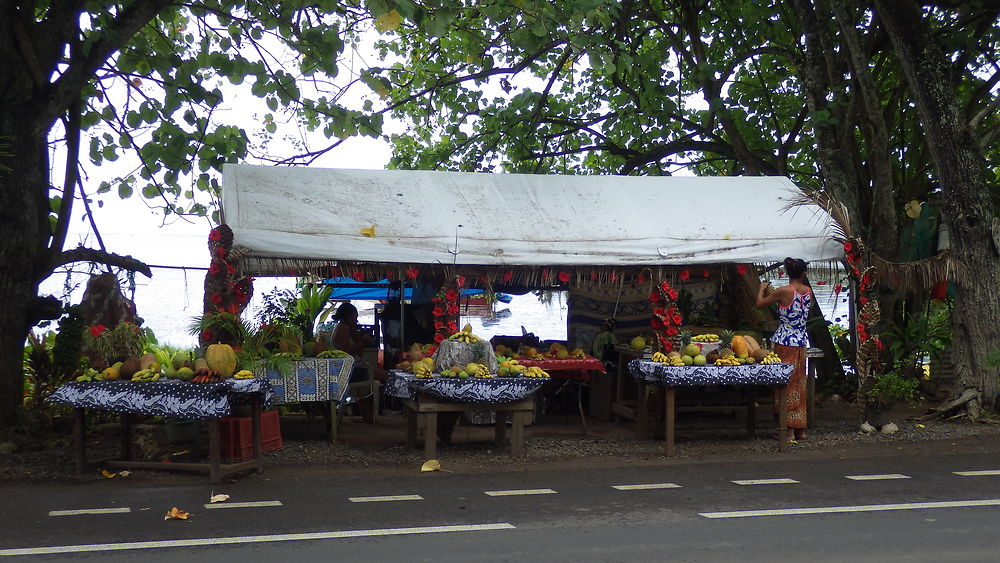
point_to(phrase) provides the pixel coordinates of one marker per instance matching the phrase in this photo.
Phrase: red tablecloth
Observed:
(554, 366)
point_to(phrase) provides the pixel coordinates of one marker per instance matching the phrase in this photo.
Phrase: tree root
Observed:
(945, 411)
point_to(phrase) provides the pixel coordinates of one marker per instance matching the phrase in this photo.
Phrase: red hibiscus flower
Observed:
(214, 268)
(451, 296)
(358, 276)
(97, 330)
(436, 299)
(564, 277)
(704, 273)
(654, 297)
(838, 288)
(667, 345)
(230, 269)
(665, 287)
(437, 312)
(439, 338)
(508, 275)
(214, 235)
(821, 283)
(848, 246)
(460, 281)
(656, 323)
(438, 325)
(677, 319)
(672, 295)
(452, 309)
(431, 350)
(215, 298)
(412, 273)
(593, 276)
(545, 273)
(741, 269)
(660, 312)
(452, 326)
(684, 275)
(671, 330)
(878, 344)
(864, 301)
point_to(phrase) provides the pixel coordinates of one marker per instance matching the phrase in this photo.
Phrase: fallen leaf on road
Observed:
(176, 514)
(218, 498)
(124, 473)
(107, 474)
(432, 465)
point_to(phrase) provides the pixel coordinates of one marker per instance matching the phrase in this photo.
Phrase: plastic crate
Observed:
(236, 435)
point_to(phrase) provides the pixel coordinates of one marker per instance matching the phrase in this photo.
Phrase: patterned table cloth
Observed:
(554, 366)
(690, 376)
(313, 379)
(171, 398)
(494, 390)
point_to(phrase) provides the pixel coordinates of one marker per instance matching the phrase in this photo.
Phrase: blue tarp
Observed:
(349, 289)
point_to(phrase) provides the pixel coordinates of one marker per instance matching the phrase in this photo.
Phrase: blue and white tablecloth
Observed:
(494, 390)
(689, 376)
(313, 379)
(170, 398)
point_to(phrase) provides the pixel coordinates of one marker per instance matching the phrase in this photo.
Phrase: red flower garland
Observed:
(445, 311)
(666, 318)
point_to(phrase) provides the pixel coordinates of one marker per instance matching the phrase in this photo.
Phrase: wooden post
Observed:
(430, 434)
(258, 450)
(782, 417)
(126, 436)
(80, 440)
(671, 411)
(410, 414)
(751, 396)
(517, 432)
(333, 421)
(214, 451)
(500, 428)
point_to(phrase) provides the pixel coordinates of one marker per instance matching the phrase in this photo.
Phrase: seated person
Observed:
(349, 338)
(603, 347)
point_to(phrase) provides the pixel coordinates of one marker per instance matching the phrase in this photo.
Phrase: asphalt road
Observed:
(665, 512)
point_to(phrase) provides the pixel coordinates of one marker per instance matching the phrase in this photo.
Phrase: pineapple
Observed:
(687, 347)
(726, 344)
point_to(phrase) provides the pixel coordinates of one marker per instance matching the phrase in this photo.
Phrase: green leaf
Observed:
(124, 190)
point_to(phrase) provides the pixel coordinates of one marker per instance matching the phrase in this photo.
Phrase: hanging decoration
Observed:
(445, 311)
(667, 319)
(224, 290)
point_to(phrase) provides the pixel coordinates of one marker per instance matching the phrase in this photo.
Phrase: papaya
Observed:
(128, 368)
(759, 354)
(739, 347)
(146, 361)
(751, 343)
(222, 359)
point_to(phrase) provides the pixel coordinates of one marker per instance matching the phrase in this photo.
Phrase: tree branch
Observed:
(83, 254)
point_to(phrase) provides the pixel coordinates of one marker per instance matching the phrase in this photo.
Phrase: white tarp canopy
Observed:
(463, 218)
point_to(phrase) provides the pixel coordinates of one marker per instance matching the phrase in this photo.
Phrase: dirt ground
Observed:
(552, 441)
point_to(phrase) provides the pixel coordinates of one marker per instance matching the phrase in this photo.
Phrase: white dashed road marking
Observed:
(517, 492)
(882, 477)
(84, 511)
(646, 486)
(255, 539)
(386, 498)
(253, 504)
(981, 473)
(782, 481)
(860, 508)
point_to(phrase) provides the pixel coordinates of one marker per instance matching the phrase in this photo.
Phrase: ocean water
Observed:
(170, 300)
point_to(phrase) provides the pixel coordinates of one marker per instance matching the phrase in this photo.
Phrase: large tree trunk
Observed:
(24, 232)
(966, 204)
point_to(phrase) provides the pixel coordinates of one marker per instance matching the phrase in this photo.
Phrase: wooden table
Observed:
(314, 380)
(570, 370)
(671, 379)
(425, 408)
(179, 400)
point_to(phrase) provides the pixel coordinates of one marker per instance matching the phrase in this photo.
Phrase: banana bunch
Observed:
(705, 338)
(465, 335)
(243, 374)
(146, 375)
(90, 374)
(578, 353)
(728, 361)
(771, 358)
(478, 370)
(535, 371)
(423, 368)
(334, 353)
(660, 357)
(290, 355)
(537, 357)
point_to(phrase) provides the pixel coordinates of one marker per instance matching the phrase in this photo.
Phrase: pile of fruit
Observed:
(771, 358)
(473, 370)
(333, 353)
(465, 335)
(705, 338)
(734, 350)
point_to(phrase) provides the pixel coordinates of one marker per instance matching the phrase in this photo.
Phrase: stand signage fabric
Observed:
(312, 379)
(493, 390)
(171, 398)
(690, 376)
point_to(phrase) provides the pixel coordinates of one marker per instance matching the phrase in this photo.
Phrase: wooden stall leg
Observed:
(258, 450)
(214, 451)
(333, 421)
(671, 412)
(641, 407)
(430, 434)
(579, 401)
(517, 432)
(751, 394)
(500, 428)
(619, 390)
(80, 440)
(411, 426)
(126, 436)
(782, 417)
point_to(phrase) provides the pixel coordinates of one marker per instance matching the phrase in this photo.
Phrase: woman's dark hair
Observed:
(795, 268)
(345, 310)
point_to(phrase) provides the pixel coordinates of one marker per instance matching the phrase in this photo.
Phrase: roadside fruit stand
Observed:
(602, 235)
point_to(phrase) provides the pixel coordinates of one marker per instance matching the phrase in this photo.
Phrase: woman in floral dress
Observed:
(791, 339)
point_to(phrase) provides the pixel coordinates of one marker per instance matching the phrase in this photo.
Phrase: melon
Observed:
(221, 358)
(638, 343)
